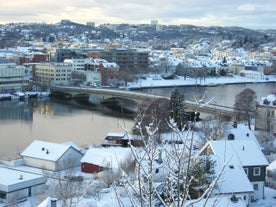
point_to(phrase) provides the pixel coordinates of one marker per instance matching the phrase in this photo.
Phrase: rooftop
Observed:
(12, 179)
(46, 150)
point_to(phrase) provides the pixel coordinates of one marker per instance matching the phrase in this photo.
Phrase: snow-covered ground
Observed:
(158, 81)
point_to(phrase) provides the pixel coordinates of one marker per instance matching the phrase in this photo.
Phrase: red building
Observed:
(104, 158)
(110, 73)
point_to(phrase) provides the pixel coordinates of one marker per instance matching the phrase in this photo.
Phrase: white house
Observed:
(243, 165)
(51, 156)
(16, 185)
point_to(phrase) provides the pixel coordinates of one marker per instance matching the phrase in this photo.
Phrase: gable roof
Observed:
(46, 150)
(246, 152)
(241, 132)
(233, 178)
(231, 156)
(106, 157)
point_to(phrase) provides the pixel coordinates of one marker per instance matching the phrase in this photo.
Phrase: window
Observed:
(246, 171)
(257, 171)
(255, 186)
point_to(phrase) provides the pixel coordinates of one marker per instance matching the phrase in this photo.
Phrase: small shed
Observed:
(16, 185)
(51, 156)
(99, 158)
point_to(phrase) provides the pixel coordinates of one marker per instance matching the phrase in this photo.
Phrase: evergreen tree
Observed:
(177, 104)
(201, 174)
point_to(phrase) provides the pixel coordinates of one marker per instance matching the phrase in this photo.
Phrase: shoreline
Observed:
(190, 82)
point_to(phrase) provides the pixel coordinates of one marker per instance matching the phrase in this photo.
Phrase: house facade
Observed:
(13, 76)
(110, 73)
(51, 156)
(127, 59)
(53, 73)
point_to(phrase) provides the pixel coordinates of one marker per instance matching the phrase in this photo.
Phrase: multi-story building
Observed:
(13, 76)
(128, 59)
(266, 114)
(110, 73)
(67, 53)
(94, 71)
(53, 73)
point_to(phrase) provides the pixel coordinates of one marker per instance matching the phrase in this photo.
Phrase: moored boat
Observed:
(5, 97)
(19, 95)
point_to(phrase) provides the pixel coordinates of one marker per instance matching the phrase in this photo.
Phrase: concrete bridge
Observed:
(131, 100)
(128, 100)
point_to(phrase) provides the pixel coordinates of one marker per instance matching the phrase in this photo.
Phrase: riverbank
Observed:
(21, 96)
(156, 81)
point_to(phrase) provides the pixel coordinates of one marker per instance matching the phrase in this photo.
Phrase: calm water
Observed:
(61, 121)
(51, 120)
(223, 94)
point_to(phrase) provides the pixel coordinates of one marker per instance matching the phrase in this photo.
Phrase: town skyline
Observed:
(248, 14)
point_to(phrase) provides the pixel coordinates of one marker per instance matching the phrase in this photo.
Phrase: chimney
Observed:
(21, 177)
(235, 124)
(53, 202)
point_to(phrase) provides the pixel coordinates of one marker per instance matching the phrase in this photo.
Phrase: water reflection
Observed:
(56, 121)
(14, 110)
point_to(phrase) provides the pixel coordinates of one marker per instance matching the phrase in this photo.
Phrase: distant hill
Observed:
(170, 36)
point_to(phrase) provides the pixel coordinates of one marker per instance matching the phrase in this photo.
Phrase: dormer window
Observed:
(257, 171)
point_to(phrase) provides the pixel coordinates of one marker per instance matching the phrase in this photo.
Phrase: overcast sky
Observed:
(256, 14)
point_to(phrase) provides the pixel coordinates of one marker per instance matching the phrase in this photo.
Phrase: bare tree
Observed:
(164, 170)
(65, 186)
(245, 105)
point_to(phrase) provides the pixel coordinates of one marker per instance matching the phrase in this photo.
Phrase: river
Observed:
(61, 121)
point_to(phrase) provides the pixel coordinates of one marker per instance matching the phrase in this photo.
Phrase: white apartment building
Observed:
(255, 75)
(13, 76)
(53, 73)
(79, 64)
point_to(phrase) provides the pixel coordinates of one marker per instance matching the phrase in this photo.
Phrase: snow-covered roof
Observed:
(233, 155)
(270, 100)
(241, 132)
(233, 178)
(110, 156)
(46, 150)
(218, 201)
(115, 134)
(11, 180)
(247, 152)
(108, 64)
